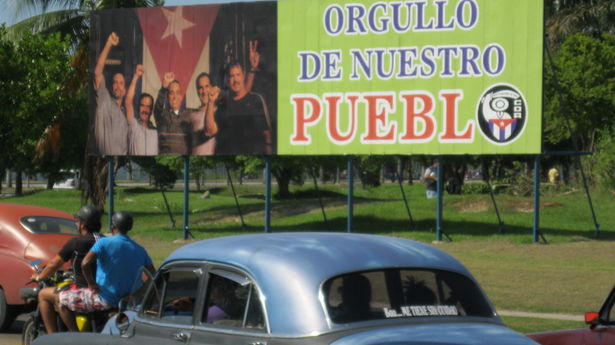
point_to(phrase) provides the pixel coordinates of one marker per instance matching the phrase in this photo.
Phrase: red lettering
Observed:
(450, 118)
(377, 118)
(415, 114)
(334, 119)
(303, 119)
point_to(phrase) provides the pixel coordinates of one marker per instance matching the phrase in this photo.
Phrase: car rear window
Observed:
(403, 293)
(49, 225)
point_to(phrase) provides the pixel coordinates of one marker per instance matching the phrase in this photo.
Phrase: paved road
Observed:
(542, 315)
(13, 336)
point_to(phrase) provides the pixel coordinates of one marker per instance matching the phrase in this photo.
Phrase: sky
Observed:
(7, 8)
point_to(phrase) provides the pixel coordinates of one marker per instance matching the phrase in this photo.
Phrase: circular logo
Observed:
(501, 113)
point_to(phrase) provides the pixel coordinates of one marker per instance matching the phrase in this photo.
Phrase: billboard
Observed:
(319, 77)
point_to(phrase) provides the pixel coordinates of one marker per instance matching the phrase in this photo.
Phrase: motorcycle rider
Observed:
(118, 260)
(88, 225)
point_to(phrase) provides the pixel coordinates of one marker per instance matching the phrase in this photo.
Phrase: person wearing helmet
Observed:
(88, 225)
(119, 262)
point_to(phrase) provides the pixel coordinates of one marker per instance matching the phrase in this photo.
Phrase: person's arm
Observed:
(163, 94)
(112, 41)
(130, 94)
(428, 175)
(255, 59)
(86, 268)
(50, 269)
(211, 126)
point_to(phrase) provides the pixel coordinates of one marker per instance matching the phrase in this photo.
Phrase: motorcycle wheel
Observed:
(31, 330)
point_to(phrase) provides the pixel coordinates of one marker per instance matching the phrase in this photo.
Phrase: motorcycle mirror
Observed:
(35, 264)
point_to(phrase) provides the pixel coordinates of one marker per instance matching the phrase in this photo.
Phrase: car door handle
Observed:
(181, 337)
(258, 343)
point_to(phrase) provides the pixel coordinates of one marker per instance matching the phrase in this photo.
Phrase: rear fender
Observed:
(16, 272)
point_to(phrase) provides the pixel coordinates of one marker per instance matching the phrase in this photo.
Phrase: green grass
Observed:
(571, 274)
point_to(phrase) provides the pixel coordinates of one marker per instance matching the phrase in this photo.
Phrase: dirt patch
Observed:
(527, 206)
(473, 206)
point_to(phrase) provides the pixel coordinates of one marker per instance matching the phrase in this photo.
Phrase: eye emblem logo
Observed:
(502, 113)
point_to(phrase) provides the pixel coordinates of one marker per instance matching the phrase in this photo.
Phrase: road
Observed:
(13, 336)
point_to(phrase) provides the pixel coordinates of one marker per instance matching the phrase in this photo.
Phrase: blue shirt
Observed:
(119, 261)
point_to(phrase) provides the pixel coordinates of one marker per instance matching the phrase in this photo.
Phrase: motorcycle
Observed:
(34, 326)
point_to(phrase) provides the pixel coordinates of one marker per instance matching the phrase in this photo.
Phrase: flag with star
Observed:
(175, 39)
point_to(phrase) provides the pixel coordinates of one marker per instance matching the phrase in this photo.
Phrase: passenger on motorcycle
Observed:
(118, 260)
(88, 224)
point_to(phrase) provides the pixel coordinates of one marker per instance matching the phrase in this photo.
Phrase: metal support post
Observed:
(110, 188)
(495, 205)
(350, 177)
(268, 194)
(439, 188)
(322, 206)
(186, 194)
(230, 180)
(403, 194)
(536, 229)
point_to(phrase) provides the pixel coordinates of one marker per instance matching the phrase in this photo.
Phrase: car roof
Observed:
(17, 211)
(290, 268)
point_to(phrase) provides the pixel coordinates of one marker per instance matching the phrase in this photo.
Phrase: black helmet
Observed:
(90, 216)
(122, 220)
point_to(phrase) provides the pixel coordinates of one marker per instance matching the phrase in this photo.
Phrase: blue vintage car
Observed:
(310, 288)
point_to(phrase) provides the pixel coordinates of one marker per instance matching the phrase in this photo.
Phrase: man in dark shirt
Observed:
(244, 127)
(88, 224)
(173, 123)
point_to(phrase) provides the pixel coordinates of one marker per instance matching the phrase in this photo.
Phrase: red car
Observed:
(27, 233)
(601, 330)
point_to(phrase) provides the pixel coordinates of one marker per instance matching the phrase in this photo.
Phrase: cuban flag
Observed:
(176, 39)
(502, 129)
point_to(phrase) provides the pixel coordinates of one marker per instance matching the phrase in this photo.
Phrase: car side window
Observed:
(173, 295)
(233, 302)
(49, 225)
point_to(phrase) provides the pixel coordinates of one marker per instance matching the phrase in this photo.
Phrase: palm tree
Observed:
(73, 19)
(568, 16)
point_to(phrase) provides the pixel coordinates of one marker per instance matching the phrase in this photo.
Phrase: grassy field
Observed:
(571, 274)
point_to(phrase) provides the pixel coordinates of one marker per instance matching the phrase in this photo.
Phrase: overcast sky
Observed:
(7, 8)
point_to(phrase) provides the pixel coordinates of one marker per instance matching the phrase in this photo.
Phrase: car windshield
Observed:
(403, 293)
(49, 225)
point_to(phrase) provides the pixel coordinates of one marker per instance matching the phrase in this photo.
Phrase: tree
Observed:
(565, 17)
(73, 20)
(369, 168)
(34, 97)
(586, 74)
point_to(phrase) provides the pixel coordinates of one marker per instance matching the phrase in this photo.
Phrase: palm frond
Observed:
(41, 6)
(65, 21)
(594, 17)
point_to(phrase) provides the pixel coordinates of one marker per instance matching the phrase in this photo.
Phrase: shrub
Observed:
(604, 161)
(475, 188)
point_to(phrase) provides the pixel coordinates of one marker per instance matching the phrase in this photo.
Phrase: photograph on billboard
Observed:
(318, 77)
(184, 80)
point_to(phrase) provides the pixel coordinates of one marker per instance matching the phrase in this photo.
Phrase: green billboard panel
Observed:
(409, 77)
